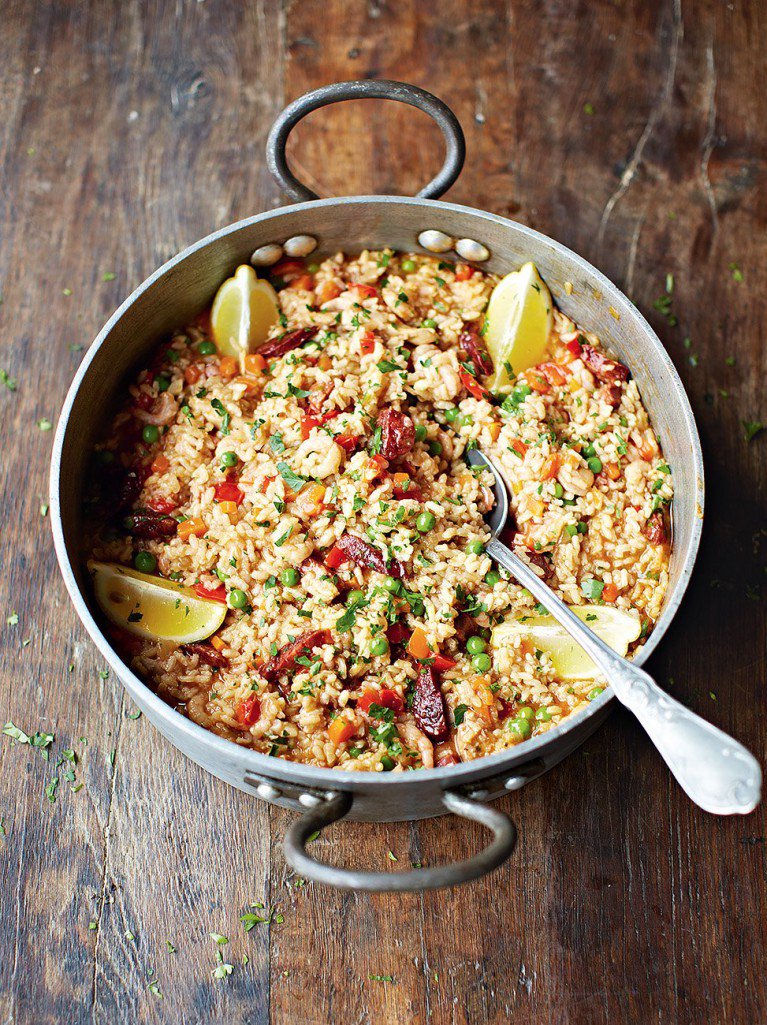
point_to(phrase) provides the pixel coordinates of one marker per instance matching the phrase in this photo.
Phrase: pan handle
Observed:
(361, 90)
(334, 806)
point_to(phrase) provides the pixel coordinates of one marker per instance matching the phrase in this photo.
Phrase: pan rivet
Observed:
(267, 791)
(468, 249)
(300, 245)
(265, 256)
(435, 241)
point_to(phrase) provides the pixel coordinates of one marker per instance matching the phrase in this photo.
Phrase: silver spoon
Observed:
(714, 770)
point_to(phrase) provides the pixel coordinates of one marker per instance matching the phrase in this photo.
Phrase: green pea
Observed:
(408, 266)
(237, 599)
(452, 414)
(524, 712)
(435, 448)
(594, 694)
(173, 355)
(392, 585)
(150, 434)
(229, 459)
(426, 522)
(420, 432)
(475, 547)
(558, 490)
(387, 763)
(543, 714)
(475, 645)
(206, 348)
(290, 577)
(465, 420)
(145, 562)
(588, 451)
(355, 597)
(162, 382)
(481, 662)
(595, 464)
(380, 646)
(432, 324)
(312, 268)
(520, 728)
(492, 578)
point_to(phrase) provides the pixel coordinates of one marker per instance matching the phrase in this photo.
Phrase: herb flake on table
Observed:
(751, 428)
(44, 424)
(9, 382)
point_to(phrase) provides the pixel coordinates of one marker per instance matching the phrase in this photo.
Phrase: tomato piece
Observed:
(463, 272)
(386, 698)
(574, 347)
(308, 423)
(214, 594)
(227, 491)
(248, 711)
(368, 343)
(473, 387)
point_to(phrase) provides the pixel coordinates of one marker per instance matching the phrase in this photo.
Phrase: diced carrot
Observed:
(463, 272)
(368, 343)
(265, 484)
(609, 593)
(551, 466)
(217, 643)
(538, 383)
(190, 527)
(310, 500)
(648, 450)
(327, 291)
(228, 367)
(526, 647)
(340, 730)
(494, 430)
(325, 362)
(613, 470)
(378, 463)
(418, 645)
(305, 281)
(192, 374)
(253, 364)
(519, 447)
(160, 464)
(230, 508)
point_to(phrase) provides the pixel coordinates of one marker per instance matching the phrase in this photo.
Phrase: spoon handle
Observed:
(714, 770)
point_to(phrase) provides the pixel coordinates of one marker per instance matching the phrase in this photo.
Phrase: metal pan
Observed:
(185, 285)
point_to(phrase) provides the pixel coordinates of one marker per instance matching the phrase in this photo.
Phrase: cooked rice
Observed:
(413, 365)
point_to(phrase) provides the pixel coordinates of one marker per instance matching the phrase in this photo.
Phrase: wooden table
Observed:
(634, 132)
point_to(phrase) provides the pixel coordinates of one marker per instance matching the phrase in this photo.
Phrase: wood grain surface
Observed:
(634, 132)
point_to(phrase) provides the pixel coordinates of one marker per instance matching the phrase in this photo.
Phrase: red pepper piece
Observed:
(348, 442)
(473, 347)
(442, 663)
(447, 759)
(288, 653)
(336, 557)
(292, 340)
(366, 291)
(368, 343)
(386, 698)
(397, 433)
(211, 594)
(227, 491)
(429, 705)
(248, 711)
(574, 347)
(473, 387)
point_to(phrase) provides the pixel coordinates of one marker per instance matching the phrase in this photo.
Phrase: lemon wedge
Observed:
(517, 324)
(570, 661)
(153, 607)
(244, 310)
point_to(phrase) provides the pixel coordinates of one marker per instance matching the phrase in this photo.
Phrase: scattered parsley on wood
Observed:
(737, 273)
(588, 108)
(12, 619)
(751, 428)
(108, 275)
(9, 382)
